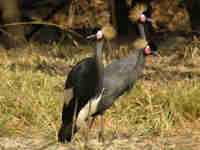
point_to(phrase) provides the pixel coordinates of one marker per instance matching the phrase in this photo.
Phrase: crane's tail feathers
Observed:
(137, 11)
(140, 44)
(66, 131)
(109, 32)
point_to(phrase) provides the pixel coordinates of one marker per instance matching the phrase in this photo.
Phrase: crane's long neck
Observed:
(99, 50)
(142, 31)
(100, 68)
(141, 54)
(142, 34)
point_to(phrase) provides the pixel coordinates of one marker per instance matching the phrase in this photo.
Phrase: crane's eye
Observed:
(99, 35)
(143, 18)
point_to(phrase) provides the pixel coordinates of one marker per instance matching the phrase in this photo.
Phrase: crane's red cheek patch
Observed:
(143, 18)
(147, 50)
(99, 35)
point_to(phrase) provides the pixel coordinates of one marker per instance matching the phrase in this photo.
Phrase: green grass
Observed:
(31, 95)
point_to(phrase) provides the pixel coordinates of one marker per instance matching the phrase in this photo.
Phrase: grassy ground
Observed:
(165, 102)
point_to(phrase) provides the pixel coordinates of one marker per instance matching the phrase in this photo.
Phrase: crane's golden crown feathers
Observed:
(109, 32)
(140, 44)
(137, 11)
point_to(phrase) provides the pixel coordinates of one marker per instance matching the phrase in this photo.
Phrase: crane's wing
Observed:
(68, 95)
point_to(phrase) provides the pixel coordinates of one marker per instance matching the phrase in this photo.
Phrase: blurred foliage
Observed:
(92, 13)
(169, 13)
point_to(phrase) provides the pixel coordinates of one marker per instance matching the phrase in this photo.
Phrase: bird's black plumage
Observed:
(85, 81)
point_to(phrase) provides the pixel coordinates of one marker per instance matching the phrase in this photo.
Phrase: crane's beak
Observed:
(151, 20)
(91, 36)
(155, 53)
(144, 18)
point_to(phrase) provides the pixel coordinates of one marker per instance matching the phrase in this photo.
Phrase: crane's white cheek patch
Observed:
(89, 109)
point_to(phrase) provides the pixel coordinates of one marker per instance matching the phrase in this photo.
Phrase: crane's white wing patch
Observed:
(89, 109)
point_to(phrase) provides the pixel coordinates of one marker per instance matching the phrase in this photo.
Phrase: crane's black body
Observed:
(85, 81)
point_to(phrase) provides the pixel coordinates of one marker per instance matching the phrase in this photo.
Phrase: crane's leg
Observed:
(87, 127)
(101, 137)
(74, 116)
(90, 124)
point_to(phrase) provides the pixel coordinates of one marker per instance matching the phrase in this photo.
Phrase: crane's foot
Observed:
(101, 137)
(86, 144)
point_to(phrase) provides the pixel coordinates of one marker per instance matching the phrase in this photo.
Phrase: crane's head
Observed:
(108, 32)
(143, 45)
(137, 14)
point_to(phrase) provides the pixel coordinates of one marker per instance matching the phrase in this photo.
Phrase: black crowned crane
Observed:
(120, 76)
(84, 84)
